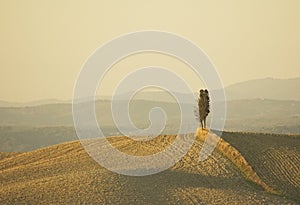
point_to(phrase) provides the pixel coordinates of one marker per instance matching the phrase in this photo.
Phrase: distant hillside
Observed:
(267, 88)
(31, 103)
(255, 115)
(65, 174)
(22, 139)
(61, 114)
(268, 116)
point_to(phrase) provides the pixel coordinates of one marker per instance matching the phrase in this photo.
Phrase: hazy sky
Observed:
(44, 43)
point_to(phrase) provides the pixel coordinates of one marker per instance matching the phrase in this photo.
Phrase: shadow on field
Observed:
(156, 189)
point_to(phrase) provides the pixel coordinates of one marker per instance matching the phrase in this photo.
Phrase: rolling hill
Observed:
(276, 158)
(21, 139)
(29, 128)
(65, 174)
(258, 115)
(266, 88)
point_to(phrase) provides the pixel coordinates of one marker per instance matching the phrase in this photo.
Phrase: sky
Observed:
(45, 43)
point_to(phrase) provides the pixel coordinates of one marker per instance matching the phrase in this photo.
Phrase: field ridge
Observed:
(66, 174)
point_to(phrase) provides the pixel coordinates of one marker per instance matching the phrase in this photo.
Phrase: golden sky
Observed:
(45, 43)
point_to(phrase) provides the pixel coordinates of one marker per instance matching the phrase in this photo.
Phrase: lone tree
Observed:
(203, 107)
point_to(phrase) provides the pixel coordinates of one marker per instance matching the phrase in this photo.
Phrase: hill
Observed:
(29, 128)
(31, 103)
(276, 158)
(65, 174)
(266, 88)
(262, 115)
(21, 139)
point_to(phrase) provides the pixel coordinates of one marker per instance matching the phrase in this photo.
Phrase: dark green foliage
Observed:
(203, 107)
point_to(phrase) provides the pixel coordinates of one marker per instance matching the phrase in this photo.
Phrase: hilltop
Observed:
(65, 174)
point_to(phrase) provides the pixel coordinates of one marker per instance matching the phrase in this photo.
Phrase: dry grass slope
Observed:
(238, 160)
(7, 154)
(65, 174)
(275, 158)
